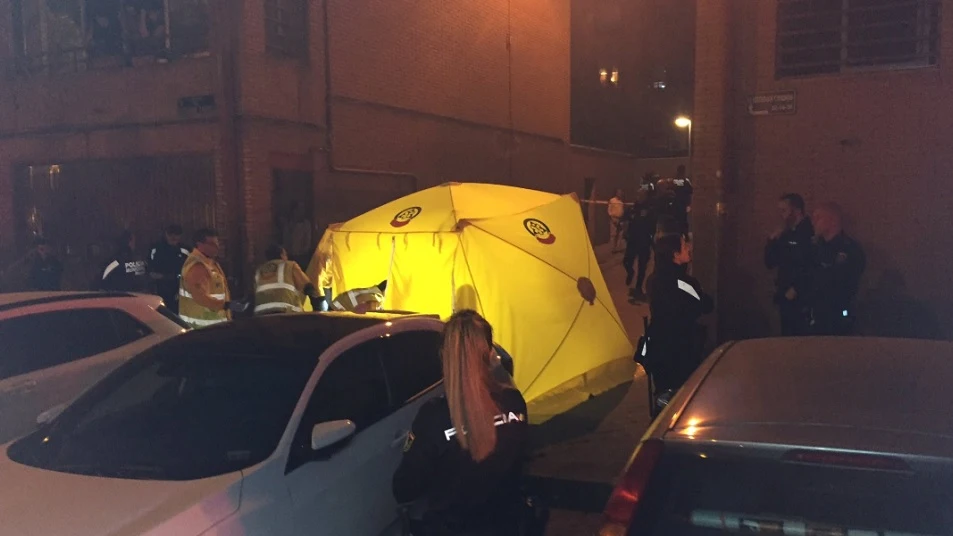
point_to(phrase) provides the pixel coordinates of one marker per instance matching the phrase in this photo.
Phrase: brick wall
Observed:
(874, 142)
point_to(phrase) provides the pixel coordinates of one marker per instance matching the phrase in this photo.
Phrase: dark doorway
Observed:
(293, 212)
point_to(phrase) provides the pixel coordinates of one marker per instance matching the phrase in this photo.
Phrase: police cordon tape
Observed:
(594, 202)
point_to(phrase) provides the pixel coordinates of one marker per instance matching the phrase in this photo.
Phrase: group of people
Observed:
(819, 267)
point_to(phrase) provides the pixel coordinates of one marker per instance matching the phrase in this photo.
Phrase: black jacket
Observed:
(642, 218)
(460, 492)
(676, 340)
(838, 266)
(124, 273)
(792, 254)
(46, 274)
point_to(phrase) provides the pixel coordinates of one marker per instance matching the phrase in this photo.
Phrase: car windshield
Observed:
(172, 414)
(719, 494)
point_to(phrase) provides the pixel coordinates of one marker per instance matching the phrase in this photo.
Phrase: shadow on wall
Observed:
(888, 310)
(744, 315)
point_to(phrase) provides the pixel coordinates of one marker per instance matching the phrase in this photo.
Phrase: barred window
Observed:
(836, 36)
(286, 27)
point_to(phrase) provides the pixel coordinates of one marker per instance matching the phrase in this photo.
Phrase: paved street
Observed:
(579, 454)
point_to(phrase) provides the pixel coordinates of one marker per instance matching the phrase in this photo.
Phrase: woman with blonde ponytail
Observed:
(463, 456)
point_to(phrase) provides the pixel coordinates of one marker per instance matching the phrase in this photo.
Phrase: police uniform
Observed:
(675, 339)
(279, 287)
(838, 266)
(638, 241)
(125, 273)
(791, 253)
(191, 311)
(462, 495)
(167, 260)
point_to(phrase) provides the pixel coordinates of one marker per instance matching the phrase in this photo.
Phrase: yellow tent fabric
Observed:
(522, 258)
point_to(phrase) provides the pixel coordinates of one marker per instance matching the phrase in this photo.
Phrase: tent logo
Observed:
(404, 216)
(539, 230)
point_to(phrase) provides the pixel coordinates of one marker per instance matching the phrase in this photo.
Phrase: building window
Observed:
(836, 36)
(286, 27)
(609, 77)
(75, 35)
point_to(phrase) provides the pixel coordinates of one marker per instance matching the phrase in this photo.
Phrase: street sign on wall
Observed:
(777, 103)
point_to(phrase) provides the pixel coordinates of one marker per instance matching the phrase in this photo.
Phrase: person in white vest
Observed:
(281, 285)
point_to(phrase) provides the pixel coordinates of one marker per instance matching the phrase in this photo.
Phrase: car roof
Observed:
(14, 300)
(305, 334)
(895, 386)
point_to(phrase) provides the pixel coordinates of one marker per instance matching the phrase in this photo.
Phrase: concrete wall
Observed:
(875, 142)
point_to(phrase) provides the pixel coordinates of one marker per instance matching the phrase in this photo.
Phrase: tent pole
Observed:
(390, 267)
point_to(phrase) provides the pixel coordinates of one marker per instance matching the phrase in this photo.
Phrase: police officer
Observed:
(839, 262)
(166, 258)
(675, 339)
(204, 298)
(463, 457)
(789, 249)
(638, 241)
(683, 192)
(125, 272)
(281, 285)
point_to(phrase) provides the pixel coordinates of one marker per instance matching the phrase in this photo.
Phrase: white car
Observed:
(53, 345)
(277, 425)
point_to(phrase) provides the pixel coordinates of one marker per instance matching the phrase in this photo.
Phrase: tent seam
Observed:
(556, 351)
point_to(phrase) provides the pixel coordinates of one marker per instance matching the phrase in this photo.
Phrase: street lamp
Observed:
(684, 122)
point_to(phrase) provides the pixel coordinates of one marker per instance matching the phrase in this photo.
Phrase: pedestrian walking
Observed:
(789, 250)
(640, 233)
(616, 211)
(464, 455)
(281, 285)
(126, 271)
(204, 298)
(839, 262)
(166, 259)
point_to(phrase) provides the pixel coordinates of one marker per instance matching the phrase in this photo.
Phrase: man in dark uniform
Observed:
(839, 262)
(789, 250)
(682, 196)
(126, 272)
(638, 240)
(166, 259)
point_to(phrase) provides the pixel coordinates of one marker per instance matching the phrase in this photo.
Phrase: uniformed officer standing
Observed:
(683, 194)
(839, 262)
(166, 258)
(640, 233)
(281, 285)
(125, 272)
(464, 454)
(789, 249)
(203, 293)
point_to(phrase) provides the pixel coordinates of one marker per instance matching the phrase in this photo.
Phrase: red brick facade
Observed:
(875, 142)
(422, 92)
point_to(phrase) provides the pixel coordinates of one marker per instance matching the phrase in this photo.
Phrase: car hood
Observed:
(36, 502)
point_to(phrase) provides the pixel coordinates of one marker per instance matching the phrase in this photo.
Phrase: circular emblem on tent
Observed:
(539, 230)
(404, 216)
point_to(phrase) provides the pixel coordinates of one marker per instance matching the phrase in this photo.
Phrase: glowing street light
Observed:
(683, 122)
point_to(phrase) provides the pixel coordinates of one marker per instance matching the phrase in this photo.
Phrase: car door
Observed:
(345, 488)
(49, 357)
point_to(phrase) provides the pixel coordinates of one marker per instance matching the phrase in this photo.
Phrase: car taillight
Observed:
(624, 502)
(847, 459)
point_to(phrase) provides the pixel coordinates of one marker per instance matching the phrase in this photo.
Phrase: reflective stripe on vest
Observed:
(191, 311)
(350, 300)
(274, 288)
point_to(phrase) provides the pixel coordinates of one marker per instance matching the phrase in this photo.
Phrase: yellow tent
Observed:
(521, 258)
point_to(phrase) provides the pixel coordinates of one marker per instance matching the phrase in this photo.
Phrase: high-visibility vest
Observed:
(190, 311)
(350, 300)
(275, 291)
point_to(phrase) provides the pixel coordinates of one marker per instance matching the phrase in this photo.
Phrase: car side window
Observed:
(45, 340)
(353, 387)
(412, 362)
(128, 328)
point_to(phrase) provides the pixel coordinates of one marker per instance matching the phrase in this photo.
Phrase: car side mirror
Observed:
(330, 433)
(50, 414)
